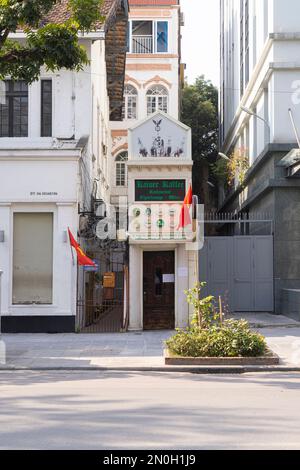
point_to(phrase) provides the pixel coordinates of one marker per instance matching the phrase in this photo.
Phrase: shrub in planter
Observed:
(210, 336)
(231, 339)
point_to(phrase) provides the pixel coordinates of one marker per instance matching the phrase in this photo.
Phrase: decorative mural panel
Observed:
(160, 137)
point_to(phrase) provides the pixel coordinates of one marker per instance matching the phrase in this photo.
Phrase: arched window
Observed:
(157, 99)
(121, 169)
(129, 103)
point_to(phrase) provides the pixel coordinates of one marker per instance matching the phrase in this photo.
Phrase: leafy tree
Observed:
(200, 112)
(54, 45)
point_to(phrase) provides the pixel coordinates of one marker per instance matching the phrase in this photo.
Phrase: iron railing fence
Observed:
(239, 223)
(104, 318)
(103, 309)
(142, 44)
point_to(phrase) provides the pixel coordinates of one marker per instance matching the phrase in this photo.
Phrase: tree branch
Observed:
(3, 37)
(19, 55)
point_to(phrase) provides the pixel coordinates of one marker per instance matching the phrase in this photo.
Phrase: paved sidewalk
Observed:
(135, 350)
(144, 349)
(266, 320)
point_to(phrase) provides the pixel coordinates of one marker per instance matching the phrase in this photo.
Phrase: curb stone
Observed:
(169, 369)
(270, 359)
(261, 326)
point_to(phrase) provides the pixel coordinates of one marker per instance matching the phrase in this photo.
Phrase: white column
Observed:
(193, 274)
(135, 289)
(65, 271)
(5, 256)
(182, 284)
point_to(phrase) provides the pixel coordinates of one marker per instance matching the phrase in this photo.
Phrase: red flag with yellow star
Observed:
(82, 258)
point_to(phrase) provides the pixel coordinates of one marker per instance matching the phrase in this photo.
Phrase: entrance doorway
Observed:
(159, 290)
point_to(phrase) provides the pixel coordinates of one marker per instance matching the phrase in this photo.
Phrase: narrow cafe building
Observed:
(161, 265)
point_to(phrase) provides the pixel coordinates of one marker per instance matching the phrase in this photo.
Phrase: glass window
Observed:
(158, 281)
(162, 36)
(247, 32)
(46, 108)
(241, 47)
(142, 28)
(121, 169)
(157, 99)
(148, 37)
(32, 258)
(130, 103)
(14, 110)
(142, 37)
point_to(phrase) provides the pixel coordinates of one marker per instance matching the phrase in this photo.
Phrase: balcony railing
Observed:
(142, 44)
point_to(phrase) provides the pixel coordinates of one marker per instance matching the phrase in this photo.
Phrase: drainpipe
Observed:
(294, 127)
(73, 104)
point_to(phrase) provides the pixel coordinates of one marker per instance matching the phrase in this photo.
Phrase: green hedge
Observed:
(233, 338)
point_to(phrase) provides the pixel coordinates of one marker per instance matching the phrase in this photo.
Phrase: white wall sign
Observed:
(160, 137)
(168, 278)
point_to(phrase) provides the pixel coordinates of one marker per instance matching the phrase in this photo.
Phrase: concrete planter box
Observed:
(270, 359)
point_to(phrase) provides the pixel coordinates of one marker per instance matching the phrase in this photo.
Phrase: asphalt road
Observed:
(92, 410)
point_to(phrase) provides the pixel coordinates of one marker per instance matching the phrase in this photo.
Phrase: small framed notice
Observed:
(168, 278)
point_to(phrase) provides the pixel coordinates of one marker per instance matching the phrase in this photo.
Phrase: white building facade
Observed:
(259, 100)
(69, 158)
(152, 79)
(162, 261)
(54, 145)
(146, 175)
(259, 70)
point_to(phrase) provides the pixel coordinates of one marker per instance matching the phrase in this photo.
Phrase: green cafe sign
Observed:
(159, 190)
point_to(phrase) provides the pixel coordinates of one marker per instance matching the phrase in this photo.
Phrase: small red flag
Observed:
(185, 218)
(82, 258)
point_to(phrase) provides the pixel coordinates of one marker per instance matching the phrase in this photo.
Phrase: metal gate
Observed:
(240, 269)
(102, 309)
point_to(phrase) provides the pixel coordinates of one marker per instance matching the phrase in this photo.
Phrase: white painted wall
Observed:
(146, 79)
(18, 180)
(135, 286)
(142, 78)
(33, 165)
(100, 133)
(71, 103)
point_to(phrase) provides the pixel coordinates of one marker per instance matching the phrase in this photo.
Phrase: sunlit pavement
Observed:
(96, 410)
(143, 349)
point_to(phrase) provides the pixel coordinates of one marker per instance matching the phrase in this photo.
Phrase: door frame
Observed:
(158, 248)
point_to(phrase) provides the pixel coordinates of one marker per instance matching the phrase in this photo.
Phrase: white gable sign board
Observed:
(160, 136)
